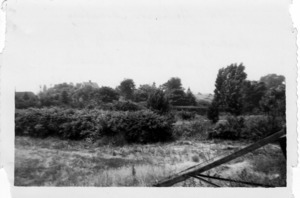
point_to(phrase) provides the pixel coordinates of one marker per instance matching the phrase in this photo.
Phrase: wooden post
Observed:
(199, 168)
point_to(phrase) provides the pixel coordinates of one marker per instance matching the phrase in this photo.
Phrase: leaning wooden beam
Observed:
(204, 180)
(235, 181)
(199, 168)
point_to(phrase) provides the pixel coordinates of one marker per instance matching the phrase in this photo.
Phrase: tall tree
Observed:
(172, 84)
(127, 88)
(175, 92)
(158, 102)
(274, 101)
(229, 87)
(143, 92)
(65, 97)
(106, 94)
(253, 92)
(190, 97)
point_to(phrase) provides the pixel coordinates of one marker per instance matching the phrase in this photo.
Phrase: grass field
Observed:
(55, 162)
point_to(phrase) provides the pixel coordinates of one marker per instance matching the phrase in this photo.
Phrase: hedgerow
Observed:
(252, 127)
(142, 126)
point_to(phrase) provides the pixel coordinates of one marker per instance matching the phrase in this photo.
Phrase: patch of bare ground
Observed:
(54, 162)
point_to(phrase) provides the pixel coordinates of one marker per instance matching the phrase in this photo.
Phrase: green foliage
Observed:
(229, 87)
(197, 129)
(203, 103)
(158, 102)
(186, 115)
(253, 92)
(172, 84)
(127, 88)
(106, 94)
(139, 126)
(213, 112)
(231, 128)
(143, 92)
(126, 106)
(257, 127)
(25, 100)
(252, 127)
(272, 80)
(177, 97)
(191, 99)
(65, 97)
(274, 102)
(68, 95)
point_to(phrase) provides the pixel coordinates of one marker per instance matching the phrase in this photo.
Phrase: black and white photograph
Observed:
(150, 93)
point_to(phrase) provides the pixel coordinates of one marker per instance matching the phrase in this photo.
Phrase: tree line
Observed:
(89, 94)
(236, 95)
(233, 94)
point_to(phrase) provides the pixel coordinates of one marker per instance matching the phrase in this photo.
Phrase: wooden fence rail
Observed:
(196, 170)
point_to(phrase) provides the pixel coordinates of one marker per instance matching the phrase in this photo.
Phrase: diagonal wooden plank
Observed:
(236, 181)
(204, 180)
(199, 168)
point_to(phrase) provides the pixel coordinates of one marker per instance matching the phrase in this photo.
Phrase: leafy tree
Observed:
(272, 80)
(25, 100)
(253, 92)
(158, 102)
(213, 112)
(65, 97)
(84, 96)
(229, 87)
(274, 101)
(127, 88)
(25, 96)
(175, 92)
(143, 92)
(172, 84)
(178, 97)
(190, 97)
(106, 94)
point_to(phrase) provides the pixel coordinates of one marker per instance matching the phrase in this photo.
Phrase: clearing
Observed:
(55, 162)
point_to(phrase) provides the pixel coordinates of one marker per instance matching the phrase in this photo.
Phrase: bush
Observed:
(213, 112)
(231, 128)
(70, 124)
(186, 115)
(126, 106)
(259, 126)
(247, 127)
(158, 102)
(139, 126)
(194, 129)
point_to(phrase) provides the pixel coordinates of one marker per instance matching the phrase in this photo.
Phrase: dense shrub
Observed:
(246, 127)
(186, 115)
(71, 124)
(231, 128)
(126, 106)
(260, 126)
(158, 102)
(213, 112)
(138, 126)
(194, 129)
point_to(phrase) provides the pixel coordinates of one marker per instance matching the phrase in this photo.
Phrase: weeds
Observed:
(54, 162)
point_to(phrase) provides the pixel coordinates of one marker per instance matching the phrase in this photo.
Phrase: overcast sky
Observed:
(105, 41)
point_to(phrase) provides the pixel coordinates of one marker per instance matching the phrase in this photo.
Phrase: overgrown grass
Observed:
(54, 162)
